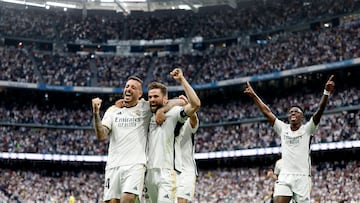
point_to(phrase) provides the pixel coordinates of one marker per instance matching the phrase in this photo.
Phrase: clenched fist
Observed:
(177, 74)
(96, 104)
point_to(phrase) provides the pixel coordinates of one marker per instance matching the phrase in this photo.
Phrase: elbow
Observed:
(197, 105)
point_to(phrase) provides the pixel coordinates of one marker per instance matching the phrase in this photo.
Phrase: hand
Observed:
(177, 74)
(183, 97)
(159, 117)
(120, 103)
(249, 90)
(96, 104)
(330, 84)
(270, 173)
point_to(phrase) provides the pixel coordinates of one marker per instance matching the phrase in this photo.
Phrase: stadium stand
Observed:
(52, 118)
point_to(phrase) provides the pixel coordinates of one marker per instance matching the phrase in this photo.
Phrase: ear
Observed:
(165, 100)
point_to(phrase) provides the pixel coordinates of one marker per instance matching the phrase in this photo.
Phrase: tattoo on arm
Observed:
(100, 130)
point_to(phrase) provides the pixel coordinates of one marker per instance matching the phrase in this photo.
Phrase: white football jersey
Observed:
(187, 144)
(161, 149)
(295, 147)
(128, 134)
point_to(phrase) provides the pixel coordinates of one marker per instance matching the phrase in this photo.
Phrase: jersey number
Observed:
(107, 183)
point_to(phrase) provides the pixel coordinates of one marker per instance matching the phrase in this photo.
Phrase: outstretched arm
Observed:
(101, 131)
(262, 106)
(329, 88)
(194, 101)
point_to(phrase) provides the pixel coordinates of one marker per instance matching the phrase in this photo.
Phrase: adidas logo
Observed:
(135, 188)
(188, 194)
(167, 196)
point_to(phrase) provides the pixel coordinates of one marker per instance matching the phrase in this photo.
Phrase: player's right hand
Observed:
(96, 104)
(160, 116)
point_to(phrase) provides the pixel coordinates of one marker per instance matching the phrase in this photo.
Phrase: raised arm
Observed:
(101, 131)
(262, 106)
(329, 88)
(193, 119)
(194, 101)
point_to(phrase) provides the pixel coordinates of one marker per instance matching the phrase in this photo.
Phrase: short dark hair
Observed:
(297, 106)
(133, 77)
(158, 85)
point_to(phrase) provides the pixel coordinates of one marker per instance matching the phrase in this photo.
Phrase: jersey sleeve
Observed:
(107, 119)
(277, 167)
(181, 115)
(278, 126)
(310, 126)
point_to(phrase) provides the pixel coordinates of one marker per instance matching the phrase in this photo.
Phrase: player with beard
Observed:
(163, 167)
(294, 180)
(126, 124)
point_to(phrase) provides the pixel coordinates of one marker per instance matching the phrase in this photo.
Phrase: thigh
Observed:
(282, 199)
(167, 186)
(151, 182)
(132, 180)
(186, 185)
(282, 188)
(302, 189)
(112, 188)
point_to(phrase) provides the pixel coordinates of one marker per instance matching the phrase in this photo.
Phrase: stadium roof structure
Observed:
(127, 5)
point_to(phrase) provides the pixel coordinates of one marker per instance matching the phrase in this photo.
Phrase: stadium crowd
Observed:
(333, 128)
(216, 64)
(58, 114)
(283, 51)
(33, 128)
(213, 22)
(36, 126)
(332, 182)
(16, 65)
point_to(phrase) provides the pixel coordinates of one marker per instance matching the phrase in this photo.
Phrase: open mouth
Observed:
(127, 95)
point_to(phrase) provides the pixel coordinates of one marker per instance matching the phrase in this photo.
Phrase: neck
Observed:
(129, 105)
(295, 126)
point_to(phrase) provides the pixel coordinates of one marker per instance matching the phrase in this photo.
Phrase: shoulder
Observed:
(279, 123)
(112, 109)
(143, 104)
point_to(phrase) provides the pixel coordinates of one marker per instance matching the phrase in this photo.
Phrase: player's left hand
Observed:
(249, 90)
(120, 103)
(330, 84)
(183, 97)
(177, 74)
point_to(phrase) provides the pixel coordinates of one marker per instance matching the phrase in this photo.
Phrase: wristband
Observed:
(327, 93)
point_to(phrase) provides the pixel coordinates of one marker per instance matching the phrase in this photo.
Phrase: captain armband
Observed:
(183, 114)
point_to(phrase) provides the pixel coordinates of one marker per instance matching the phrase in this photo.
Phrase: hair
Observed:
(133, 77)
(302, 110)
(158, 85)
